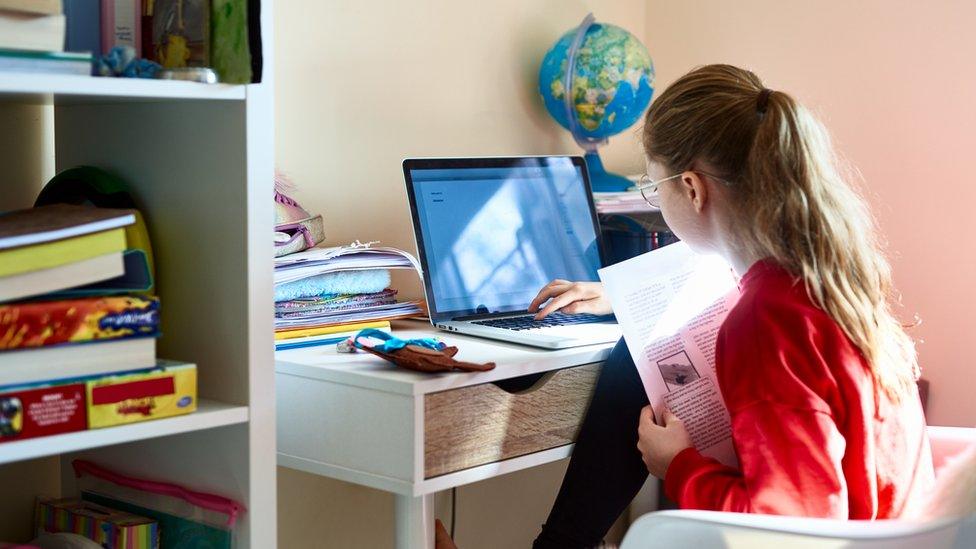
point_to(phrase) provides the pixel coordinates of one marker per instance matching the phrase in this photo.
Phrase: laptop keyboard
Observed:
(519, 323)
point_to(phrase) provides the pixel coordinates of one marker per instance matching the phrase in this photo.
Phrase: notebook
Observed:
(56, 222)
(96, 269)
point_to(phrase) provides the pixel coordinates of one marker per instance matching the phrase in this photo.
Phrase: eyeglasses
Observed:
(650, 189)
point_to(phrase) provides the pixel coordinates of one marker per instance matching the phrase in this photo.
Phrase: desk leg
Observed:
(414, 522)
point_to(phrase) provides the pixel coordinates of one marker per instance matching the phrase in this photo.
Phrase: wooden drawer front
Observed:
(482, 424)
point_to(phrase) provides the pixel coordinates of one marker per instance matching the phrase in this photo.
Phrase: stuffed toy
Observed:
(421, 355)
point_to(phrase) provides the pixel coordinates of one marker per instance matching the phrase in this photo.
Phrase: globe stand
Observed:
(602, 181)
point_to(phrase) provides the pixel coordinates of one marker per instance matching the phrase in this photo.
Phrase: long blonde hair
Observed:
(789, 200)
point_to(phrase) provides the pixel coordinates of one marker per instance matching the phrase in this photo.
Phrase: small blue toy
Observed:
(122, 61)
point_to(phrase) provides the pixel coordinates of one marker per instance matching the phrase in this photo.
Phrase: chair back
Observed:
(710, 529)
(714, 530)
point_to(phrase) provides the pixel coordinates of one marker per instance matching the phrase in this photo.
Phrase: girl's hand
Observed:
(571, 298)
(658, 445)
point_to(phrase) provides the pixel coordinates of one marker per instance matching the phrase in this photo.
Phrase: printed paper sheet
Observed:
(670, 303)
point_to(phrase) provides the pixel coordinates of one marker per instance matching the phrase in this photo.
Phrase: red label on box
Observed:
(110, 394)
(40, 412)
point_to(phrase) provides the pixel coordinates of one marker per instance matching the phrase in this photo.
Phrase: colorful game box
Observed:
(168, 390)
(109, 528)
(43, 323)
(40, 410)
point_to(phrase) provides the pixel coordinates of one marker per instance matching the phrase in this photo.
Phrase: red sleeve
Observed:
(789, 464)
(779, 389)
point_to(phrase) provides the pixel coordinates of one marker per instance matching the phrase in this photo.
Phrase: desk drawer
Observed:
(482, 424)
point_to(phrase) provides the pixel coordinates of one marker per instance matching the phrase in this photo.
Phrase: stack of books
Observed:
(621, 203)
(625, 237)
(325, 295)
(32, 38)
(77, 347)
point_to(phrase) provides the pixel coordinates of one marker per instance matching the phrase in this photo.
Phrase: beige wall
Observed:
(894, 81)
(360, 85)
(22, 483)
(26, 152)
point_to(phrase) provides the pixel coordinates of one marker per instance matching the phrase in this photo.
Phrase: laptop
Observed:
(491, 232)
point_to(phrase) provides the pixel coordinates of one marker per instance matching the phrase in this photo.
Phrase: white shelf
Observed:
(209, 414)
(47, 88)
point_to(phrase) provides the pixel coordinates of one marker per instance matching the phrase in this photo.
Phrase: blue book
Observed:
(285, 345)
(84, 26)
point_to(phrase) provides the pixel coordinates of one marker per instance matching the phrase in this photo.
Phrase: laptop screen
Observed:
(492, 232)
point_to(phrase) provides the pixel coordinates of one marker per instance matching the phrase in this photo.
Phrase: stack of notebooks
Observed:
(621, 202)
(77, 340)
(32, 39)
(325, 295)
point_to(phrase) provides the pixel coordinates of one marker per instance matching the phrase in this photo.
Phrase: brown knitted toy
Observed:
(419, 358)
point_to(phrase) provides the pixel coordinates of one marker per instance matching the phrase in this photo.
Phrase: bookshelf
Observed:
(199, 159)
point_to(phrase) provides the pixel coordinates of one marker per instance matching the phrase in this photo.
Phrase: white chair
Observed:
(710, 529)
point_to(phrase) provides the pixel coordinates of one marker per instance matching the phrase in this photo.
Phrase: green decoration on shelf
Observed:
(230, 51)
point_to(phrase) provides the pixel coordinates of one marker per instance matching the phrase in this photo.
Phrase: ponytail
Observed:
(795, 206)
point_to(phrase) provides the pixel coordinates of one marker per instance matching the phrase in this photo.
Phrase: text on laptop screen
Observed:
(493, 237)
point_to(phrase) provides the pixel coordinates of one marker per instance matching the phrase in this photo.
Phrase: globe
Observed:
(596, 81)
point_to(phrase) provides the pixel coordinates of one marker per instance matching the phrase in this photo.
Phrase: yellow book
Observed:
(323, 330)
(48, 255)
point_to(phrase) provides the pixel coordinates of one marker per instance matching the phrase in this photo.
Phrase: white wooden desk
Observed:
(359, 419)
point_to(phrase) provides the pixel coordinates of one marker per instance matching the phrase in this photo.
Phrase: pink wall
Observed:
(895, 81)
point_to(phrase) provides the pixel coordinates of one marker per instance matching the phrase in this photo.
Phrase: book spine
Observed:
(30, 413)
(136, 24)
(45, 323)
(53, 66)
(84, 31)
(146, 30)
(122, 24)
(35, 7)
(108, 25)
(28, 32)
(325, 330)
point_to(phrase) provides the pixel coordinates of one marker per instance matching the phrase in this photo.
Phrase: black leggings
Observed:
(606, 470)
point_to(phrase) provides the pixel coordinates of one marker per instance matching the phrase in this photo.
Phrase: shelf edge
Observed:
(209, 415)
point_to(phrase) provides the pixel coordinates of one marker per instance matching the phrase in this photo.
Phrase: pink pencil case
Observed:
(186, 517)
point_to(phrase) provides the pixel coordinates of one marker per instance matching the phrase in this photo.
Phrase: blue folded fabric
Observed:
(343, 282)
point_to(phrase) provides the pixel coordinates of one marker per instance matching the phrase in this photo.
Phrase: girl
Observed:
(817, 373)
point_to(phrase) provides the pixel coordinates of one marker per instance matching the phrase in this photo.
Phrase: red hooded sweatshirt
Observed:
(813, 435)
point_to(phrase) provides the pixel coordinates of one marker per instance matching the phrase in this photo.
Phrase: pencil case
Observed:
(298, 235)
(295, 228)
(186, 518)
